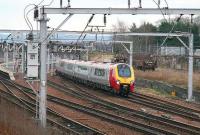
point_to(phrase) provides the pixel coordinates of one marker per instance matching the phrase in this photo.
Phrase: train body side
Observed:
(102, 75)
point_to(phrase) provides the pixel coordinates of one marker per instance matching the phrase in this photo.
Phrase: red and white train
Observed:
(116, 77)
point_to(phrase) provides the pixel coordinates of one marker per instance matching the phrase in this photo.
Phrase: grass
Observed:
(149, 91)
(175, 77)
(100, 56)
(16, 121)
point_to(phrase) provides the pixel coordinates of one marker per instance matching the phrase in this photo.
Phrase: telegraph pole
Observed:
(190, 69)
(43, 71)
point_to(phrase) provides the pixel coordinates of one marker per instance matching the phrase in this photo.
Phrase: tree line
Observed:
(175, 25)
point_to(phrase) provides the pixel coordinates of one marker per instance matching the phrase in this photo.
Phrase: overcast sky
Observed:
(11, 12)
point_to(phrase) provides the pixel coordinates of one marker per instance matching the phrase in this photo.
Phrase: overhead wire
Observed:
(58, 27)
(160, 10)
(90, 19)
(178, 19)
(167, 6)
(40, 2)
(27, 22)
(164, 41)
(26, 14)
(166, 3)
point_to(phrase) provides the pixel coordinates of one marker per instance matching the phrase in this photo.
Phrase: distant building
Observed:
(197, 52)
(173, 50)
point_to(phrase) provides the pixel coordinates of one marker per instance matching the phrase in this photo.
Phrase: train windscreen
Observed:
(124, 70)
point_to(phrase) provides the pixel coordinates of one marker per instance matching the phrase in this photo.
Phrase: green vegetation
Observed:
(174, 25)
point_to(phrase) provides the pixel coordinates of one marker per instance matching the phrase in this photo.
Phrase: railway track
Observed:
(54, 118)
(168, 107)
(166, 102)
(109, 117)
(147, 129)
(185, 128)
(124, 122)
(16, 101)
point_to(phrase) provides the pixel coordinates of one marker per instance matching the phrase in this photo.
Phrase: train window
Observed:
(124, 70)
(69, 66)
(32, 56)
(82, 68)
(99, 72)
(62, 64)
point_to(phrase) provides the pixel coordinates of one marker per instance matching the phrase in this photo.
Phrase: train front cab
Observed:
(122, 79)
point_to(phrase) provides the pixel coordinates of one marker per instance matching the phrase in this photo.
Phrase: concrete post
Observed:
(48, 60)
(52, 64)
(13, 57)
(6, 55)
(190, 69)
(23, 58)
(87, 53)
(131, 54)
(43, 69)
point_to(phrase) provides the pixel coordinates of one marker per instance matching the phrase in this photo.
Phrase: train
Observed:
(118, 78)
(144, 62)
(141, 61)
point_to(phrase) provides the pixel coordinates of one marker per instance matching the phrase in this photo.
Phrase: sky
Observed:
(12, 13)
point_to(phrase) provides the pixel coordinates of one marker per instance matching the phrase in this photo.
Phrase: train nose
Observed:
(132, 86)
(118, 82)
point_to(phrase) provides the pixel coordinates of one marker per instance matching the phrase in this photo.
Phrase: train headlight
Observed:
(118, 82)
(132, 82)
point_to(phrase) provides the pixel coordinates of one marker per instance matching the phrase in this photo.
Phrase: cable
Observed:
(40, 2)
(28, 19)
(26, 15)
(62, 23)
(166, 3)
(85, 28)
(178, 19)
(54, 30)
(160, 9)
(167, 8)
(48, 4)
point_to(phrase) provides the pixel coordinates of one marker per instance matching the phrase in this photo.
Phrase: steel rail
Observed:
(122, 109)
(125, 122)
(75, 127)
(154, 118)
(110, 117)
(168, 103)
(164, 107)
(9, 97)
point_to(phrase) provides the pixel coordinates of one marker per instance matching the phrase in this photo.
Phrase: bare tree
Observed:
(120, 27)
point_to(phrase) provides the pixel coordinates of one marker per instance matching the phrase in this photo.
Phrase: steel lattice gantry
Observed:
(132, 11)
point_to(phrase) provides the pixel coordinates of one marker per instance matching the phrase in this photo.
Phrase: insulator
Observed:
(104, 19)
(36, 13)
(91, 18)
(69, 5)
(158, 3)
(129, 3)
(60, 3)
(140, 3)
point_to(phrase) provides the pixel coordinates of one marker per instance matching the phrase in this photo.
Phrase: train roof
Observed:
(91, 63)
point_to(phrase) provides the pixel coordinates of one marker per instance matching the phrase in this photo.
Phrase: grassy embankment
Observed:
(16, 121)
(170, 76)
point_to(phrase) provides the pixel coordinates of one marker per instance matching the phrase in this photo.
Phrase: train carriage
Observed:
(99, 73)
(117, 77)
